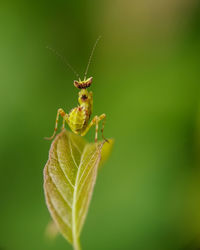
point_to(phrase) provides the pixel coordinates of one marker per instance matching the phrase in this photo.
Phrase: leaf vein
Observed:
(70, 147)
(76, 146)
(80, 189)
(55, 211)
(65, 175)
(86, 166)
(66, 201)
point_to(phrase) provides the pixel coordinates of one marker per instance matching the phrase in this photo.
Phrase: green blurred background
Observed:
(146, 79)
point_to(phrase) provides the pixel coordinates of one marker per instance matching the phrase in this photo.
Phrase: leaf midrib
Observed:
(77, 181)
(74, 231)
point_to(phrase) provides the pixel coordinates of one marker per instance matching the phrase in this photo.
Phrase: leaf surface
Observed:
(69, 178)
(106, 151)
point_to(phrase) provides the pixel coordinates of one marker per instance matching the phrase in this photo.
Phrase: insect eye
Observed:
(83, 97)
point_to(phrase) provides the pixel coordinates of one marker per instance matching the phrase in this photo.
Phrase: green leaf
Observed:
(106, 151)
(69, 178)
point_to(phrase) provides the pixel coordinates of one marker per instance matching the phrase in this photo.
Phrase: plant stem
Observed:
(77, 245)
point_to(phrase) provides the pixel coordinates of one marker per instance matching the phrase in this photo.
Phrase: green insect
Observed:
(78, 118)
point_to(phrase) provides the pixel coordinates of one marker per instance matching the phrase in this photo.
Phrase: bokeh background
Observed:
(146, 79)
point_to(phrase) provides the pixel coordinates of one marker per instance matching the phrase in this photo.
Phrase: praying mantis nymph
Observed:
(78, 118)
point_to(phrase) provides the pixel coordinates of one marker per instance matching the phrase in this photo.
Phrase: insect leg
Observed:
(95, 121)
(96, 130)
(59, 112)
(103, 117)
(92, 123)
(65, 119)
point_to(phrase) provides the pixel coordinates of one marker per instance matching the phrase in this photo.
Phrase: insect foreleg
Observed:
(63, 114)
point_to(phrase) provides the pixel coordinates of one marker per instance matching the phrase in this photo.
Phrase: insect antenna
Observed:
(63, 59)
(91, 55)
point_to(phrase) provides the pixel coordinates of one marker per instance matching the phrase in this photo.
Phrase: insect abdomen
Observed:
(77, 119)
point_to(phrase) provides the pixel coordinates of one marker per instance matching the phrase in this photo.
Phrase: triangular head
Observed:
(83, 84)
